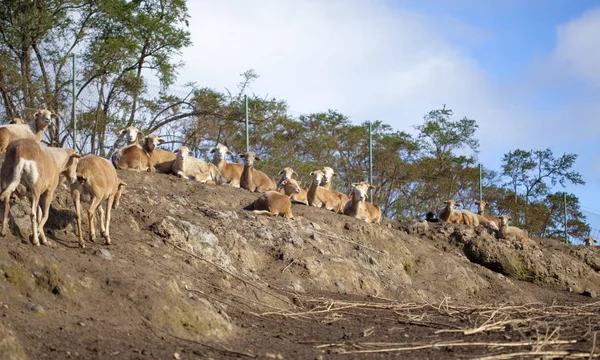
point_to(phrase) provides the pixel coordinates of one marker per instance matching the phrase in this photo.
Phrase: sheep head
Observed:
(153, 140)
(328, 174)
(451, 204)
(43, 118)
(287, 173)
(290, 187)
(220, 151)
(317, 177)
(361, 189)
(249, 158)
(504, 219)
(132, 134)
(182, 153)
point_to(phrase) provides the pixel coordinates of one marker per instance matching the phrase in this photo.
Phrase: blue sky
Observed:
(526, 70)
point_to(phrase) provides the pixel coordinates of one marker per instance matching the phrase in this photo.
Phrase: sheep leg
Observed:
(45, 201)
(102, 219)
(35, 199)
(91, 213)
(5, 217)
(109, 205)
(75, 194)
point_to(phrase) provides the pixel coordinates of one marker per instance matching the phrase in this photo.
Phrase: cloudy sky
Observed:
(527, 71)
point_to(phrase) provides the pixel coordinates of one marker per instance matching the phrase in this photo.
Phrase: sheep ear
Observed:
(242, 156)
(294, 173)
(123, 131)
(213, 150)
(509, 218)
(281, 172)
(256, 158)
(76, 156)
(476, 202)
(335, 174)
(161, 140)
(355, 184)
(371, 187)
(176, 151)
(229, 152)
(311, 173)
(446, 202)
(140, 134)
(54, 116)
(190, 153)
(37, 113)
(457, 204)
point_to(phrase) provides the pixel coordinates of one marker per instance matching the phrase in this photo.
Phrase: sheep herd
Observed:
(32, 169)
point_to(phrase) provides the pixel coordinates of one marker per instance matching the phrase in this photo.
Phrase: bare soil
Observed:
(191, 275)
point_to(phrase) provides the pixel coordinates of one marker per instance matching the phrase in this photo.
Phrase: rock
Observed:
(372, 260)
(36, 308)
(590, 293)
(340, 285)
(293, 286)
(103, 254)
(176, 356)
(315, 225)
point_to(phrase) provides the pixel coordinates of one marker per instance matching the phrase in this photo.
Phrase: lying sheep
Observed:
(132, 157)
(252, 179)
(318, 196)
(161, 160)
(132, 135)
(288, 187)
(481, 212)
(286, 174)
(589, 241)
(451, 215)
(37, 168)
(274, 203)
(229, 173)
(17, 121)
(96, 177)
(359, 208)
(507, 231)
(328, 174)
(186, 166)
(34, 130)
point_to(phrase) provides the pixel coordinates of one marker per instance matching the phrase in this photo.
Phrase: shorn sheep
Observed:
(229, 173)
(34, 130)
(161, 160)
(318, 196)
(252, 179)
(96, 177)
(188, 167)
(506, 231)
(274, 203)
(359, 208)
(37, 168)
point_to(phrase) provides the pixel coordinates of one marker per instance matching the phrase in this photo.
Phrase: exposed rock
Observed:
(590, 293)
(103, 254)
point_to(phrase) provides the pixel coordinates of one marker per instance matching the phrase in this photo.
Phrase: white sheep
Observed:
(285, 174)
(229, 173)
(37, 168)
(359, 208)
(34, 130)
(318, 196)
(188, 167)
(96, 177)
(507, 231)
(589, 241)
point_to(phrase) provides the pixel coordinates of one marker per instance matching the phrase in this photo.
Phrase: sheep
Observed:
(481, 211)
(188, 167)
(229, 173)
(96, 177)
(589, 241)
(318, 196)
(161, 160)
(359, 208)
(507, 231)
(132, 135)
(16, 121)
(286, 174)
(449, 214)
(288, 187)
(275, 203)
(37, 168)
(34, 130)
(132, 157)
(252, 179)
(328, 174)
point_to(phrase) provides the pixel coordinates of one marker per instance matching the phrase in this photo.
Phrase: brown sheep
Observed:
(252, 179)
(359, 208)
(274, 203)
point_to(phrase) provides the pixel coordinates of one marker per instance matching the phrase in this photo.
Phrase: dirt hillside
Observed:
(190, 275)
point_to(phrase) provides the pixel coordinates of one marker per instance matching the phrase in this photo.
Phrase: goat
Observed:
(188, 167)
(34, 130)
(37, 168)
(252, 179)
(359, 208)
(275, 203)
(507, 231)
(161, 160)
(96, 177)
(229, 173)
(318, 196)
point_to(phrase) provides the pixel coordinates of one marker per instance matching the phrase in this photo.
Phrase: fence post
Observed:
(371, 158)
(73, 110)
(480, 182)
(246, 111)
(565, 204)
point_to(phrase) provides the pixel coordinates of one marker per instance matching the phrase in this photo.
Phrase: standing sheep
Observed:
(37, 168)
(96, 177)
